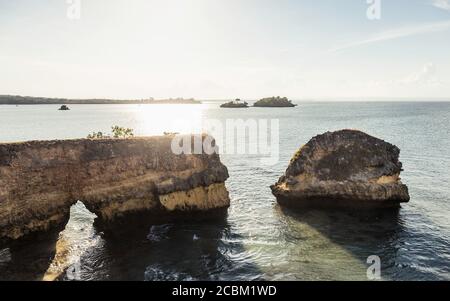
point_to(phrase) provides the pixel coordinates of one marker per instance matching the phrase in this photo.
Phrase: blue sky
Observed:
(225, 49)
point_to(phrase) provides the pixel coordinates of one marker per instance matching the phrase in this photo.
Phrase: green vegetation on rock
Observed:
(235, 104)
(274, 102)
(118, 132)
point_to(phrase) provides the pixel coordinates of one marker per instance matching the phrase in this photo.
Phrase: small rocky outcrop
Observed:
(274, 102)
(41, 180)
(345, 168)
(235, 104)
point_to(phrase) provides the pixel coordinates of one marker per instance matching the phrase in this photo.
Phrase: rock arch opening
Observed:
(77, 237)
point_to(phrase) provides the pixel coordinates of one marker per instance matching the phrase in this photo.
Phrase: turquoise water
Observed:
(258, 239)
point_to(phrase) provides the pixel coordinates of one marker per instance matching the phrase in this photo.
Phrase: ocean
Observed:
(257, 239)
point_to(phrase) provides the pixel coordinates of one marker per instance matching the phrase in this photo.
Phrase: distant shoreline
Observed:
(28, 100)
(31, 100)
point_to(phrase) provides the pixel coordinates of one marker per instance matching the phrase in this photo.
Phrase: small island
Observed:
(235, 104)
(64, 108)
(274, 102)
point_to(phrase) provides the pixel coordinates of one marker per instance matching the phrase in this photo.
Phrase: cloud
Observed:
(426, 76)
(442, 4)
(397, 33)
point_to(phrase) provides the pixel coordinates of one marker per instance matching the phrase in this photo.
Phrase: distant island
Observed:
(64, 108)
(28, 100)
(274, 102)
(235, 104)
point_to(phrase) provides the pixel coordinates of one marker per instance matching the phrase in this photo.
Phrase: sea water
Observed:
(256, 240)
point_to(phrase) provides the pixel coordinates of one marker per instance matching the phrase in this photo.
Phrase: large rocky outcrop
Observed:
(41, 180)
(344, 168)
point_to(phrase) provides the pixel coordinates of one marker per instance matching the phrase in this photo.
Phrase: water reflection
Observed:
(155, 249)
(142, 247)
(358, 235)
(29, 258)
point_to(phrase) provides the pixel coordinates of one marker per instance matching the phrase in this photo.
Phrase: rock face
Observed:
(41, 180)
(345, 168)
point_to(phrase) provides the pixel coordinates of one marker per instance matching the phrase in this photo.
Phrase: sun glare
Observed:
(158, 119)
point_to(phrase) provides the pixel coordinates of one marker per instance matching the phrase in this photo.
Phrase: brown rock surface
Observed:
(345, 168)
(41, 180)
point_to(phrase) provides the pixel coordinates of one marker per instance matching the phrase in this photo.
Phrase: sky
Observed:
(223, 49)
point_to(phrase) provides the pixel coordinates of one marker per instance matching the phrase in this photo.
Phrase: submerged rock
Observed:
(114, 178)
(345, 168)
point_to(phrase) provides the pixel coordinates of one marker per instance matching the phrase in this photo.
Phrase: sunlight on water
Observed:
(157, 119)
(73, 242)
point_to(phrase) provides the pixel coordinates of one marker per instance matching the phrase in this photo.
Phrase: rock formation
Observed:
(236, 104)
(345, 168)
(274, 102)
(41, 180)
